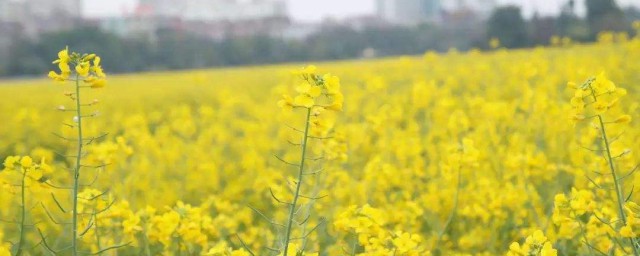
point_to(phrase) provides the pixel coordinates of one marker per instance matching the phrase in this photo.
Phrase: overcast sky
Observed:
(315, 10)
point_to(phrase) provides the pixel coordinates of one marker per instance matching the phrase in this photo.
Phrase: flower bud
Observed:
(623, 119)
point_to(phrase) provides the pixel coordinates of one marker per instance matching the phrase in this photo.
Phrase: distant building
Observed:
(216, 10)
(363, 22)
(466, 19)
(130, 26)
(299, 31)
(34, 17)
(48, 8)
(160, 8)
(216, 19)
(409, 12)
(11, 11)
(480, 8)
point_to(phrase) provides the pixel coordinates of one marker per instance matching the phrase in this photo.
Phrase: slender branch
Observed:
(295, 129)
(320, 138)
(315, 172)
(293, 143)
(9, 221)
(87, 228)
(245, 245)
(630, 194)
(265, 217)
(57, 187)
(276, 198)
(629, 173)
(304, 221)
(110, 248)
(58, 203)
(45, 244)
(310, 231)
(313, 197)
(51, 216)
(284, 161)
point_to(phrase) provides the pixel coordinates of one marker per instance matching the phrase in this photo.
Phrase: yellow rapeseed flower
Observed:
(26, 162)
(86, 66)
(627, 231)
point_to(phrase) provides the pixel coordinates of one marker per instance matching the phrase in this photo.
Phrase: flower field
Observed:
(518, 152)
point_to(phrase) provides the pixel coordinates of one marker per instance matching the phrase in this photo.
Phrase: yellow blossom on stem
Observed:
(315, 90)
(536, 244)
(303, 100)
(627, 232)
(26, 161)
(87, 68)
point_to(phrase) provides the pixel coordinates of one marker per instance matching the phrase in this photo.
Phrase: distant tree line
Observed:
(172, 50)
(508, 25)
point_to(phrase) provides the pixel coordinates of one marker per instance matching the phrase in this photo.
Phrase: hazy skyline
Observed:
(309, 10)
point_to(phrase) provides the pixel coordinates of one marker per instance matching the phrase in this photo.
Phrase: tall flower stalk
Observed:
(296, 195)
(29, 174)
(460, 156)
(87, 73)
(76, 168)
(317, 94)
(597, 99)
(616, 181)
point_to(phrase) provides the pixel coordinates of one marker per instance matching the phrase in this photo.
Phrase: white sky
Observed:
(315, 10)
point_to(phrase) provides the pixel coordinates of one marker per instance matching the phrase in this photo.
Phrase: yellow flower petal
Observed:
(304, 100)
(623, 119)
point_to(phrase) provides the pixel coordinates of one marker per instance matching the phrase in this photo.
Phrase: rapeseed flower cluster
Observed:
(86, 66)
(595, 97)
(598, 215)
(25, 165)
(535, 245)
(632, 228)
(370, 226)
(312, 88)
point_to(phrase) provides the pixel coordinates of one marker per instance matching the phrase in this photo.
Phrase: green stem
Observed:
(97, 230)
(76, 175)
(355, 244)
(616, 183)
(613, 172)
(456, 199)
(147, 249)
(23, 212)
(296, 195)
(584, 234)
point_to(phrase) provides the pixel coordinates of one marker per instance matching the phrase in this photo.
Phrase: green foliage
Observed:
(172, 50)
(605, 15)
(508, 25)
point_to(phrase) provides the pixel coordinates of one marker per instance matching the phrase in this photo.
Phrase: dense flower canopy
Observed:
(460, 153)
